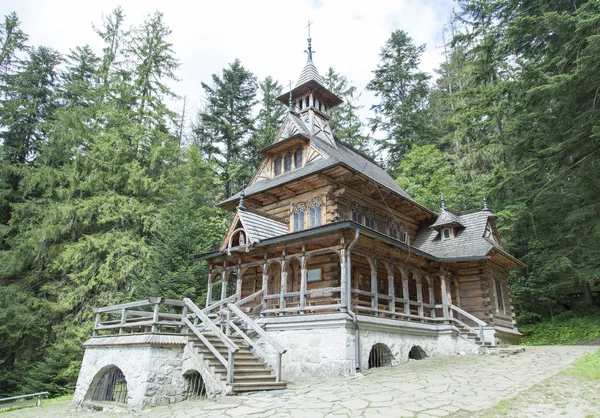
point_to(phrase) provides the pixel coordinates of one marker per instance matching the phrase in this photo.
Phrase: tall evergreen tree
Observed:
(270, 117)
(225, 125)
(402, 114)
(345, 121)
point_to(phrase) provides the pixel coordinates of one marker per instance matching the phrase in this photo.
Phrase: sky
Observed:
(268, 36)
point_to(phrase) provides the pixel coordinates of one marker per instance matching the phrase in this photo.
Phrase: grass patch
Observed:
(45, 401)
(564, 329)
(587, 366)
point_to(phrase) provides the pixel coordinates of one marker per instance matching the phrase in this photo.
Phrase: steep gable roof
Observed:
(256, 225)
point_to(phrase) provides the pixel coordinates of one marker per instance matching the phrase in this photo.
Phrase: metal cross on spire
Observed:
(290, 108)
(443, 201)
(309, 51)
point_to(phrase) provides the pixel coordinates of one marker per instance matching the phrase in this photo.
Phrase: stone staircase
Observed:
(249, 372)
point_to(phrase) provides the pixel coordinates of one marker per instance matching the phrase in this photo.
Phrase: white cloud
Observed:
(268, 36)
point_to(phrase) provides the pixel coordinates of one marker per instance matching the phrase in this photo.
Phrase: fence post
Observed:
(155, 317)
(123, 320)
(229, 366)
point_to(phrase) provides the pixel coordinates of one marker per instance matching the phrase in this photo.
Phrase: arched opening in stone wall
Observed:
(380, 356)
(195, 389)
(417, 353)
(110, 387)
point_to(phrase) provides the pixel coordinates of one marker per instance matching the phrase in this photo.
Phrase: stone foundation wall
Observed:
(324, 345)
(153, 374)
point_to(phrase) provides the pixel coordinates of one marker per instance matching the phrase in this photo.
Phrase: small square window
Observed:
(314, 275)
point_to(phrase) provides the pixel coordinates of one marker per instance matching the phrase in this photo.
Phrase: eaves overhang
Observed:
(338, 226)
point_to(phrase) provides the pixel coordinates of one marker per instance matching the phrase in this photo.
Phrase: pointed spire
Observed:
(443, 201)
(241, 204)
(485, 206)
(309, 51)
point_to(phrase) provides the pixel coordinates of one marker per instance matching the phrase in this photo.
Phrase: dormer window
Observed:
(288, 162)
(278, 162)
(447, 234)
(298, 158)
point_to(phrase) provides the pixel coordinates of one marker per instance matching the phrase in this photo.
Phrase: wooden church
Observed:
(328, 267)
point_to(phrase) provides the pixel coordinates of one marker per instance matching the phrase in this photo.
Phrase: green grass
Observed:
(587, 366)
(58, 399)
(564, 329)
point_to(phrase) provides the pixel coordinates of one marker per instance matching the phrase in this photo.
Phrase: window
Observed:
(299, 217)
(393, 229)
(278, 162)
(446, 234)
(307, 101)
(370, 219)
(403, 234)
(298, 158)
(315, 212)
(288, 161)
(499, 295)
(356, 214)
(314, 275)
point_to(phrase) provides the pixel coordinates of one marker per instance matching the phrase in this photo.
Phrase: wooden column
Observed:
(417, 277)
(283, 284)
(344, 280)
(209, 289)
(449, 296)
(405, 294)
(265, 284)
(431, 296)
(444, 293)
(391, 290)
(238, 283)
(374, 298)
(303, 282)
(224, 278)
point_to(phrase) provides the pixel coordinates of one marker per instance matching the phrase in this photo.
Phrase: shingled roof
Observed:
(468, 241)
(260, 227)
(309, 72)
(446, 218)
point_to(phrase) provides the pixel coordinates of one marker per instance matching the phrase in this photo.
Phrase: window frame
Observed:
(298, 152)
(300, 208)
(278, 160)
(317, 202)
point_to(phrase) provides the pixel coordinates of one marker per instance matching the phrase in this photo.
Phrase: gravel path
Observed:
(433, 387)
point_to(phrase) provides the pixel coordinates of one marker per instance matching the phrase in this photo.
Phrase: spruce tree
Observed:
(225, 125)
(345, 121)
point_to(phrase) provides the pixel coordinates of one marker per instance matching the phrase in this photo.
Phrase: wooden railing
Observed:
(235, 311)
(232, 348)
(479, 323)
(16, 400)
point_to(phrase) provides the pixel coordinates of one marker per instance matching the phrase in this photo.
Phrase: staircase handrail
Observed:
(249, 298)
(206, 342)
(210, 324)
(251, 324)
(480, 324)
(219, 304)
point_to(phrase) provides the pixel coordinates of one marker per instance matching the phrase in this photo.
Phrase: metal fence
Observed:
(112, 387)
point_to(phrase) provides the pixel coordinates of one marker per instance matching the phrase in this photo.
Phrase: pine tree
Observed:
(270, 117)
(345, 121)
(225, 125)
(402, 89)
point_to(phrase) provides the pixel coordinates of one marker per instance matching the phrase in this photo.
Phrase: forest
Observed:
(107, 188)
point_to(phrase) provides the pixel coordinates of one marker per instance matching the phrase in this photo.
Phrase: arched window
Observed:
(315, 212)
(403, 236)
(278, 162)
(298, 158)
(394, 229)
(307, 101)
(300, 104)
(299, 217)
(242, 239)
(356, 214)
(288, 161)
(370, 219)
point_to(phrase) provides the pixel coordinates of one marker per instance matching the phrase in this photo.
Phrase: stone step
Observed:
(251, 378)
(255, 387)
